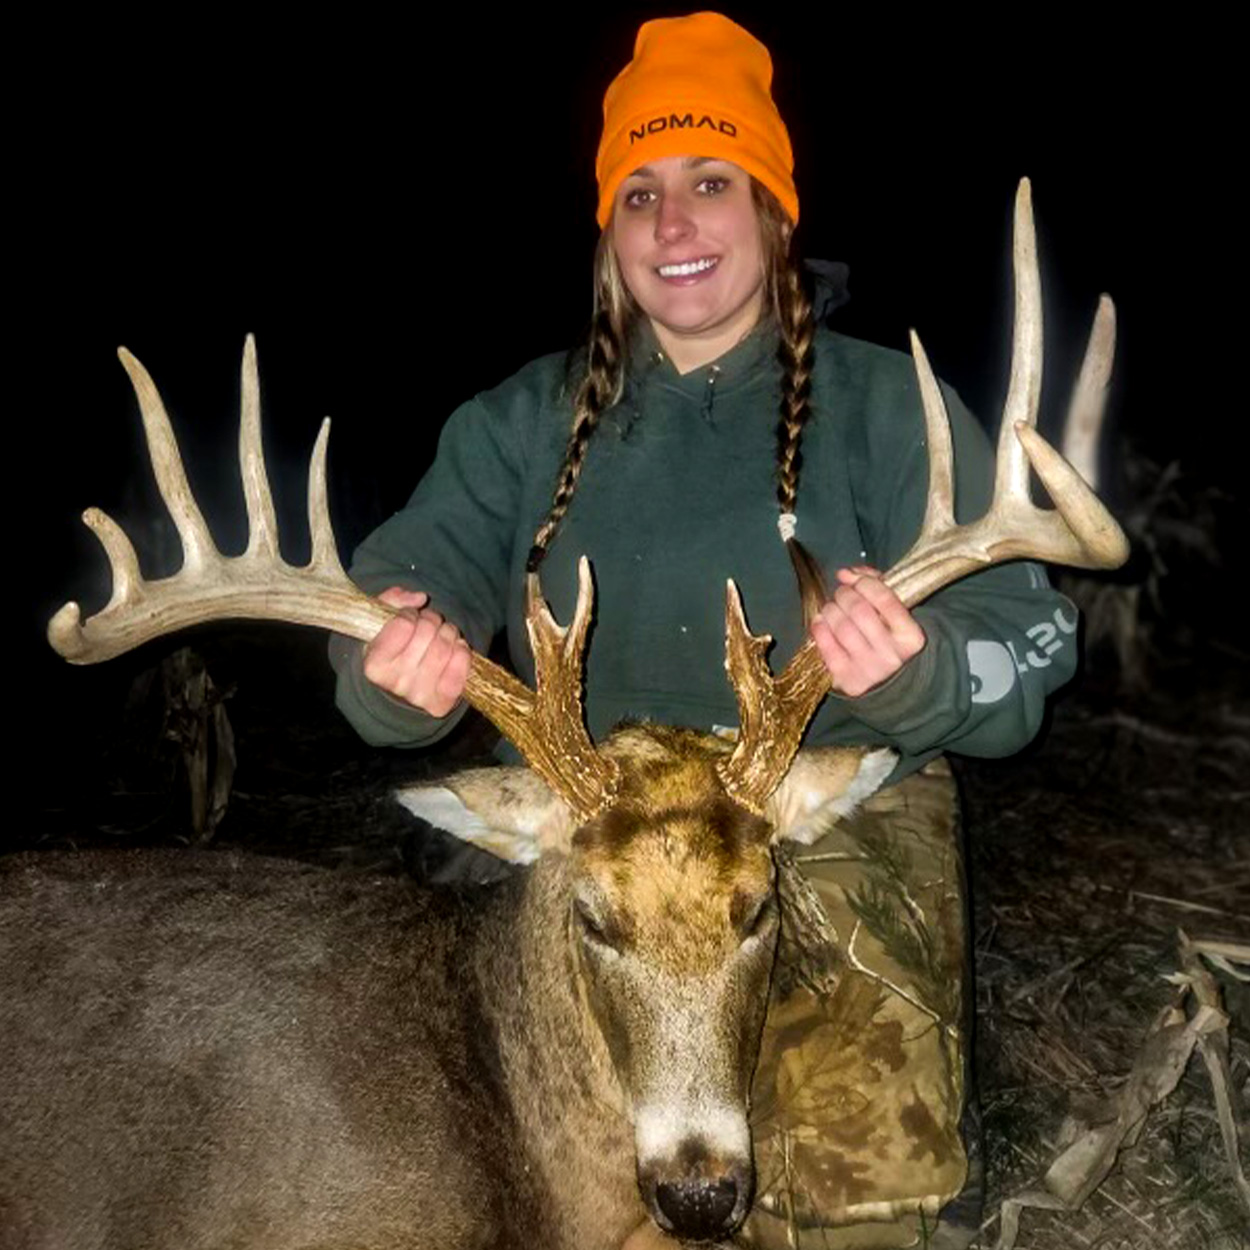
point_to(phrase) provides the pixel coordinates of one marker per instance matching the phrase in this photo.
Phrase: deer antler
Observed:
(545, 724)
(1079, 531)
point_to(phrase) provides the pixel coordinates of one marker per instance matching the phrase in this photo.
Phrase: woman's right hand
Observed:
(418, 657)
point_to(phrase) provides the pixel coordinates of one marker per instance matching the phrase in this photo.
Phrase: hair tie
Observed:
(787, 523)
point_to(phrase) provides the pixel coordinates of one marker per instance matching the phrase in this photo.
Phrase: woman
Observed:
(677, 474)
(668, 451)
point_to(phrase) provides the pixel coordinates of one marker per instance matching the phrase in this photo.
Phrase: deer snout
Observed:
(697, 1186)
(702, 1203)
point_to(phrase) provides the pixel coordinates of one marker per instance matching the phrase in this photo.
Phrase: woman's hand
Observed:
(864, 633)
(418, 656)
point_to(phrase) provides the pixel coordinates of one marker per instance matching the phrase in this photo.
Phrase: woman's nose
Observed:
(674, 221)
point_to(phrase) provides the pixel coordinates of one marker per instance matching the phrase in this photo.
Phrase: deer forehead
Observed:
(683, 912)
(673, 813)
(676, 863)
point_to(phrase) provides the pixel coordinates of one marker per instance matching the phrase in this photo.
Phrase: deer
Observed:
(204, 1050)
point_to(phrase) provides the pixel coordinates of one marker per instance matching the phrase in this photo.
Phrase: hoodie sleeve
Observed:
(452, 540)
(998, 642)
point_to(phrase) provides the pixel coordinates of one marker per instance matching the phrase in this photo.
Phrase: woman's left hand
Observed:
(864, 633)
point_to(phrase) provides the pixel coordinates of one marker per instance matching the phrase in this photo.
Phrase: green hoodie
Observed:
(676, 496)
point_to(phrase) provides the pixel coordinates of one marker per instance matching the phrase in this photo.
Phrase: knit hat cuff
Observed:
(692, 129)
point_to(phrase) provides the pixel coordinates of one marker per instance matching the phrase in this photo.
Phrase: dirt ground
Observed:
(1087, 856)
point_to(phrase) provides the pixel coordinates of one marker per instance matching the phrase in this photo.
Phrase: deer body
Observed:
(203, 1050)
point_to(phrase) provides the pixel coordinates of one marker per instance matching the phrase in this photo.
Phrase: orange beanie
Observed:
(697, 86)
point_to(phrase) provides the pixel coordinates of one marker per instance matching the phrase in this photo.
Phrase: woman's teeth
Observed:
(690, 267)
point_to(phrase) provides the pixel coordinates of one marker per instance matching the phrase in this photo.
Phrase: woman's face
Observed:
(687, 241)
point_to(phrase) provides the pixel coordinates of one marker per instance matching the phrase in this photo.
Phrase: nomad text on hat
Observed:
(697, 86)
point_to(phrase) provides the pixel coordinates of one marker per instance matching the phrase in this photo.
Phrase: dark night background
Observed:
(403, 216)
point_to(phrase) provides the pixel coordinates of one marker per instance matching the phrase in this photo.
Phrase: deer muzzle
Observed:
(694, 1169)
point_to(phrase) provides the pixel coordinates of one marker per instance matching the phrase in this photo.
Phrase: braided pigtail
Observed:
(599, 388)
(796, 326)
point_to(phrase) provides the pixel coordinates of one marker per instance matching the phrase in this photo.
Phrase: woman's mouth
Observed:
(689, 269)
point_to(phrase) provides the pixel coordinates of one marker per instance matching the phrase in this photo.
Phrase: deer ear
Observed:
(824, 785)
(509, 812)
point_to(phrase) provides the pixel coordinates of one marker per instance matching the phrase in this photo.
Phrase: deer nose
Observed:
(699, 1209)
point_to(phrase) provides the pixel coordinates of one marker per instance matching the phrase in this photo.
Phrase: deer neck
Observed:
(569, 1106)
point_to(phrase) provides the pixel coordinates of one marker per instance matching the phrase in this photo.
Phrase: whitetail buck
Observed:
(206, 1051)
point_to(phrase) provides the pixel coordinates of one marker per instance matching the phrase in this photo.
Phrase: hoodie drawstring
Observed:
(712, 374)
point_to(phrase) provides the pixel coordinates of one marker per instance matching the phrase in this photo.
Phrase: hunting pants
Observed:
(860, 1089)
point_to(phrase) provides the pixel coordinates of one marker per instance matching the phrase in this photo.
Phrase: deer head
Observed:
(671, 921)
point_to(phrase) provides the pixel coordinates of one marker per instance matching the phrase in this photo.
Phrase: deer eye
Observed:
(752, 916)
(595, 929)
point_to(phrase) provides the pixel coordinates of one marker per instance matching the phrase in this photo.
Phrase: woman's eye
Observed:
(713, 186)
(640, 197)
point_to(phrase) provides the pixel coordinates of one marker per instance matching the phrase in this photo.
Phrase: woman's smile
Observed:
(686, 271)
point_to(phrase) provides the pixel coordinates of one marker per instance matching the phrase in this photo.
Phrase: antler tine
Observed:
(773, 712)
(1079, 531)
(1082, 431)
(546, 726)
(939, 513)
(1024, 388)
(262, 521)
(324, 554)
(171, 479)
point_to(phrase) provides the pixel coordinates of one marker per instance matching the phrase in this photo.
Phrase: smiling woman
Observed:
(668, 450)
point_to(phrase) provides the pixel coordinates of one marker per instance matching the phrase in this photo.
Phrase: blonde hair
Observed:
(607, 356)
(600, 387)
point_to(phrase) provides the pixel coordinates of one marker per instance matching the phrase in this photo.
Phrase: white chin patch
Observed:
(661, 1129)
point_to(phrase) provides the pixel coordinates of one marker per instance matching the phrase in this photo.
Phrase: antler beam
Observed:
(1079, 531)
(545, 725)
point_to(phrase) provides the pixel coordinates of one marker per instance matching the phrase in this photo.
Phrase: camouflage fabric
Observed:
(859, 1091)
